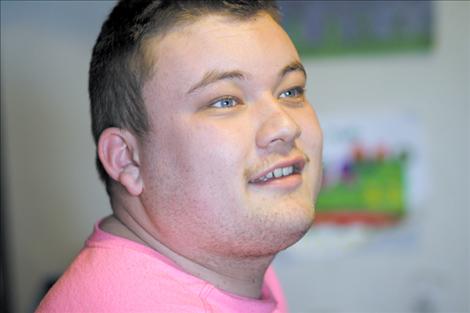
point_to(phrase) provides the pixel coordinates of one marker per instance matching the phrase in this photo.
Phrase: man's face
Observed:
(228, 116)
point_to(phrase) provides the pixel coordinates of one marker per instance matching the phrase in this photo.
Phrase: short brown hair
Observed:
(118, 68)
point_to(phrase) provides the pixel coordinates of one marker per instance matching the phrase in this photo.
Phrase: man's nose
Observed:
(278, 130)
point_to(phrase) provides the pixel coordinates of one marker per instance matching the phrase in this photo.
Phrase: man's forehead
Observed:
(210, 25)
(156, 48)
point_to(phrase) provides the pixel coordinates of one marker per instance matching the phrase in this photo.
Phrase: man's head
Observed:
(229, 160)
(121, 62)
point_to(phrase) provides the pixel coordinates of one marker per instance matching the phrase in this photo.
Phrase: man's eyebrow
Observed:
(292, 67)
(214, 76)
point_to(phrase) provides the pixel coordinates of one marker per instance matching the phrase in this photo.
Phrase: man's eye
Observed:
(293, 93)
(226, 102)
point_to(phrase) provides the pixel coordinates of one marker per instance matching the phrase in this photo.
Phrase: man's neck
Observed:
(243, 277)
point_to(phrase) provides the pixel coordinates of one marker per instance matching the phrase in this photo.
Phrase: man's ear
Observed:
(119, 154)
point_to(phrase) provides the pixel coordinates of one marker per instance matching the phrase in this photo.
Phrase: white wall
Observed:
(54, 195)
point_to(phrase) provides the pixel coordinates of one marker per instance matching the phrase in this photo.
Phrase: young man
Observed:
(211, 156)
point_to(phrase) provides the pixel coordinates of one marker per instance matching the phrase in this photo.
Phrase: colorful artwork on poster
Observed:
(366, 187)
(325, 28)
(370, 167)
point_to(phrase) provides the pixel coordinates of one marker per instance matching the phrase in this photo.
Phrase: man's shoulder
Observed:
(119, 279)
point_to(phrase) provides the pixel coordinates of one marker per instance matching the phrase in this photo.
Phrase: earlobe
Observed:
(131, 179)
(118, 153)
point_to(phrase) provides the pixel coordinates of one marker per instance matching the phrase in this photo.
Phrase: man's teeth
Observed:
(278, 172)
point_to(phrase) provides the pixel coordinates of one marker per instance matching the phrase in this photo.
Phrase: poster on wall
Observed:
(374, 183)
(364, 178)
(325, 28)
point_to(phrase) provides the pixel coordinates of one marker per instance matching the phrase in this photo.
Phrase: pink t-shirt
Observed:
(113, 274)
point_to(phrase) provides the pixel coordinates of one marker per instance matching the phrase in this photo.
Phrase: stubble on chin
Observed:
(268, 234)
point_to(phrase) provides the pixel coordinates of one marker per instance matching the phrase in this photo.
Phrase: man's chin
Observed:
(273, 246)
(296, 225)
(296, 233)
(281, 234)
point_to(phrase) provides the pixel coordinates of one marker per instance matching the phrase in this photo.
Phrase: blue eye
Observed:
(293, 93)
(226, 102)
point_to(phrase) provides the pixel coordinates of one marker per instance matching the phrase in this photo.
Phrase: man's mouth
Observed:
(279, 171)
